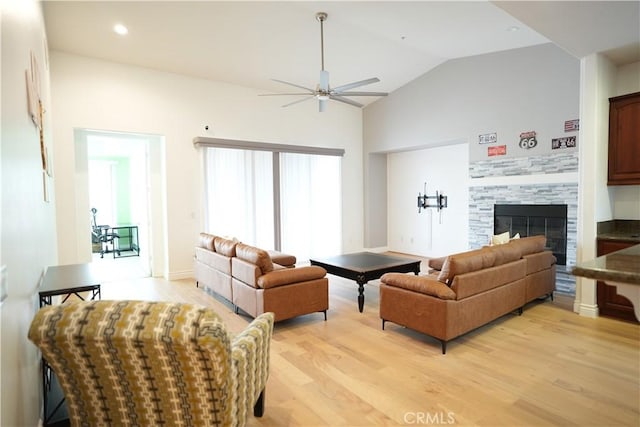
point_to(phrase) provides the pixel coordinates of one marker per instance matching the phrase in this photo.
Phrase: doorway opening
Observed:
(119, 201)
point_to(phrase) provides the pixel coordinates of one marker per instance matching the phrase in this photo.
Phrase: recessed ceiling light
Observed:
(120, 29)
(513, 28)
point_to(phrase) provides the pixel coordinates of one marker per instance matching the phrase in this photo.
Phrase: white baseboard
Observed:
(588, 310)
(181, 275)
(380, 249)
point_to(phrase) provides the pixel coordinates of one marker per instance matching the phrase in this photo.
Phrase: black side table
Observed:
(64, 280)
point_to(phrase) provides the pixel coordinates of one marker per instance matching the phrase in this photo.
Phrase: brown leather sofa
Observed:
(467, 290)
(212, 264)
(259, 281)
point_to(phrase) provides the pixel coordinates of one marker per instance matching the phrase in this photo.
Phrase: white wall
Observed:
(509, 92)
(628, 79)
(27, 228)
(375, 220)
(534, 88)
(94, 94)
(597, 75)
(429, 233)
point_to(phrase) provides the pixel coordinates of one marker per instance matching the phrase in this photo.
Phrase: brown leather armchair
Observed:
(260, 286)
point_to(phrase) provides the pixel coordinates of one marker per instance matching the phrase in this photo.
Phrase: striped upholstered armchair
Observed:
(153, 363)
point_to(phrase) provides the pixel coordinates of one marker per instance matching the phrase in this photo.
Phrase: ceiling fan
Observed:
(323, 91)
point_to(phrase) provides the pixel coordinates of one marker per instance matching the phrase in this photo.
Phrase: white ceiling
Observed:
(250, 43)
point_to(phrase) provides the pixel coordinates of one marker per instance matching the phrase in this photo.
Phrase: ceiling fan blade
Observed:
(355, 84)
(294, 85)
(363, 94)
(346, 101)
(286, 94)
(324, 80)
(298, 101)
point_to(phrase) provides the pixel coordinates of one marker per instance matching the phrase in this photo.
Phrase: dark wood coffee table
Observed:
(365, 266)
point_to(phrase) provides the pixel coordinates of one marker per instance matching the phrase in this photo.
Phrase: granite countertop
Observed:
(621, 236)
(619, 229)
(622, 266)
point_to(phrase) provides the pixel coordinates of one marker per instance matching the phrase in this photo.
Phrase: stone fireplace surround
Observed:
(546, 179)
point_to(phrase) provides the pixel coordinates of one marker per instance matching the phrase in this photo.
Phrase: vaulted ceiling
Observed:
(250, 43)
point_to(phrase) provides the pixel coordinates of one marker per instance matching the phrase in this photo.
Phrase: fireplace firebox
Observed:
(532, 220)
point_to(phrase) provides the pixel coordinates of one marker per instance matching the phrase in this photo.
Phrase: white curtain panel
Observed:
(310, 195)
(240, 201)
(239, 195)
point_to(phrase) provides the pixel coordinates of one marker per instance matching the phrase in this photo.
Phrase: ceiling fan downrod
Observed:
(321, 16)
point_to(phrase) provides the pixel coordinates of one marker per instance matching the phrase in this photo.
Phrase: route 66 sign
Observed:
(528, 140)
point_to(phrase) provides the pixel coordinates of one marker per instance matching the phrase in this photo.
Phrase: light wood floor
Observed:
(546, 367)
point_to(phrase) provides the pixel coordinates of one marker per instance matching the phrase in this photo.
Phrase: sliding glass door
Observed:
(281, 200)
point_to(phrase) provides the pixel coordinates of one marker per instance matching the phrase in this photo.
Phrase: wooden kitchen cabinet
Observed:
(624, 140)
(611, 304)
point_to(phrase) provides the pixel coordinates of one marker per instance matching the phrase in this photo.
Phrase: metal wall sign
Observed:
(528, 140)
(498, 150)
(566, 142)
(488, 138)
(572, 125)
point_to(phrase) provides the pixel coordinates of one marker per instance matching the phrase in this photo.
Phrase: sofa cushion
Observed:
(282, 259)
(539, 261)
(206, 241)
(477, 282)
(505, 253)
(436, 263)
(225, 247)
(466, 262)
(422, 284)
(529, 245)
(256, 256)
(214, 260)
(286, 276)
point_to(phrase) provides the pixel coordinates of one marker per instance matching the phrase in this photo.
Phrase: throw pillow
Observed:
(500, 239)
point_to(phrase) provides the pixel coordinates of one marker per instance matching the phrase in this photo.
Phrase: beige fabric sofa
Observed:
(470, 289)
(259, 281)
